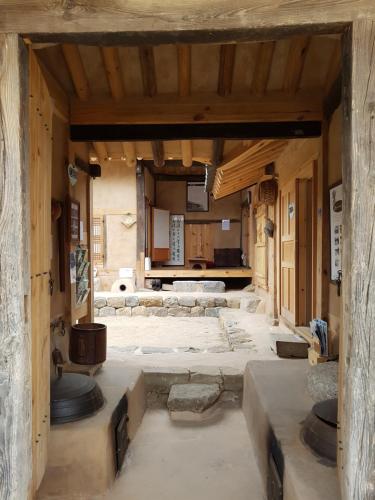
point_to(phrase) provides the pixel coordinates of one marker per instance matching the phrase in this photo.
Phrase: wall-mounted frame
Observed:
(73, 218)
(197, 199)
(335, 222)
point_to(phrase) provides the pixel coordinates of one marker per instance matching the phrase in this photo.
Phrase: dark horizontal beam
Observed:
(179, 177)
(170, 132)
(132, 38)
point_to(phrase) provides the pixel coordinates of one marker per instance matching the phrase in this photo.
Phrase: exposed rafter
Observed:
(77, 72)
(262, 67)
(295, 63)
(158, 153)
(130, 153)
(184, 83)
(147, 60)
(226, 67)
(100, 150)
(112, 67)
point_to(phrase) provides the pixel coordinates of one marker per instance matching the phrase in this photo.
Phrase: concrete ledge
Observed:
(80, 454)
(275, 403)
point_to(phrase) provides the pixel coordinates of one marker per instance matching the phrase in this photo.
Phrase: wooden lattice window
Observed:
(98, 241)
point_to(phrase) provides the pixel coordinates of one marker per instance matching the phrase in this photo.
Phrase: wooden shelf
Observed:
(239, 272)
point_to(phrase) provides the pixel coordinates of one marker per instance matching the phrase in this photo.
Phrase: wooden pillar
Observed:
(141, 220)
(15, 345)
(357, 346)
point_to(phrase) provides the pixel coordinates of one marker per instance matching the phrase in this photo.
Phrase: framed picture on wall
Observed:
(73, 218)
(196, 197)
(335, 219)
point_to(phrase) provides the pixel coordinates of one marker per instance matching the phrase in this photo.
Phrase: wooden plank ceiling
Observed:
(259, 81)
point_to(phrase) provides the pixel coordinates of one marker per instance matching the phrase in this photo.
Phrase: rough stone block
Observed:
(192, 397)
(213, 286)
(171, 301)
(220, 302)
(250, 304)
(132, 301)
(206, 301)
(107, 311)
(212, 312)
(233, 379)
(205, 375)
(185, 286)
(213, 413)
(139, 311)
(179, 311)
(157, 311)
(96, 311)
(187, 301)
(100, 302)
(233, 302)
(197, 311)
(160, 380)
(124, 311)
(116, 302)
(151, 301)
(322, 381)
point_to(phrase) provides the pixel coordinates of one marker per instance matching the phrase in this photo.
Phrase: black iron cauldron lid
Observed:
(73, 397)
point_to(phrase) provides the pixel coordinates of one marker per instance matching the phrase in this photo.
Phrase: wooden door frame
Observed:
(200, 23)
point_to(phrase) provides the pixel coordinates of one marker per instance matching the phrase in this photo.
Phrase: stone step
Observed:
(194, 398)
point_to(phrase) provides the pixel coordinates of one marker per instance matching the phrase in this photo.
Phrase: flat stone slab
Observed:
(199, 286)
(287, 345)
(193, 397)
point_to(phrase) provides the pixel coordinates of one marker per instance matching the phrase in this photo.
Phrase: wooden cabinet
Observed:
(199, 242)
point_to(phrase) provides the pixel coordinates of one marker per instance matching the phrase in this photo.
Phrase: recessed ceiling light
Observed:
(93, 158)
(109, 158)
(170, 157)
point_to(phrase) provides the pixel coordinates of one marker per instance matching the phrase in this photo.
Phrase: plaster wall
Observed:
(114, 196)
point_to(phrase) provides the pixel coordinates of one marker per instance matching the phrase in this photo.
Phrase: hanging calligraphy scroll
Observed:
(176, 240)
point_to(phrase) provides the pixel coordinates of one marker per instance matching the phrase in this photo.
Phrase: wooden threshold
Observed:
(200, 273)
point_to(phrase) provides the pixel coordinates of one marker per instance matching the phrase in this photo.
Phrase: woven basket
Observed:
(268, 192)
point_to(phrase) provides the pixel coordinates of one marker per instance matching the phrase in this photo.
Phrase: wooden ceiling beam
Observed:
(184, 87)
(295, 63)
(262, 67)
(199, 108)
(226, 67)
(112, 67)
(76, 69)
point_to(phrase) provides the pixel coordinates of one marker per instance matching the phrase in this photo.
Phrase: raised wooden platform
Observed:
(172, 272)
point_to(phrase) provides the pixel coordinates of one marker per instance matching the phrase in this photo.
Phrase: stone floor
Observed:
(173, 341)
(168, 461)
(152, 335)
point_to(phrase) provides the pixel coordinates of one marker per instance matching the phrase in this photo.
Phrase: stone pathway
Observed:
(168, 461)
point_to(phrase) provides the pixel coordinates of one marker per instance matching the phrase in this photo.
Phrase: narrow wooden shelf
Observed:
(239, 272)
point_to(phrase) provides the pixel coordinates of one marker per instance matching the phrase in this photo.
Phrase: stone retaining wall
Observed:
(136, 305)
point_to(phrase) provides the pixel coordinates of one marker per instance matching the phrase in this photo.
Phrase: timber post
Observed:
(357, 351)
(15, 331)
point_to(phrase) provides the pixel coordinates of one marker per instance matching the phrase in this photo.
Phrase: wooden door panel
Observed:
(288, 251)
